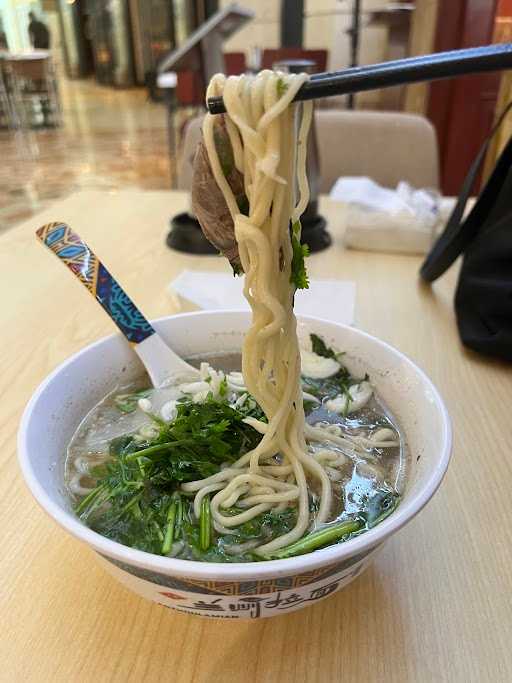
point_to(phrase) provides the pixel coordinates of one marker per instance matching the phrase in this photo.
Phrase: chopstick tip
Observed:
(216, 105)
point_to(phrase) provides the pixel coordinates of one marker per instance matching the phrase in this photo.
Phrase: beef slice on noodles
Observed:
(208, 202)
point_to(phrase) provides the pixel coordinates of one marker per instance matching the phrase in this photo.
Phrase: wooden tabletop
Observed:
(436, 605)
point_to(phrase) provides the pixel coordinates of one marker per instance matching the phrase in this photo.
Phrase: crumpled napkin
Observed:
(330, 299)
(403, 220)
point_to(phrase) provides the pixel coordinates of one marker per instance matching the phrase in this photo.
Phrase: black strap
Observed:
(458, 234)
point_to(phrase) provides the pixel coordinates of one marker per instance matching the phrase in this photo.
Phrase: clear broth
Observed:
(377, 469)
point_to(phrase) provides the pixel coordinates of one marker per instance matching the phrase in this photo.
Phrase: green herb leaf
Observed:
(237, 269)
(341, 531)
(264, 527)
(320, 347)
(282, 87)
(335, 385)
(127, 403)
(329, 387)
(298, 275)
(309, 406)
(205, 524)
(169, 532)
(136, 501)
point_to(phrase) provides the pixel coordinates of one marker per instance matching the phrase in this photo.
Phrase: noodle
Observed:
(261, 127)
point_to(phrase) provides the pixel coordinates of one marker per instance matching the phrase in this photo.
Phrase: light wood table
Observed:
(436, 606)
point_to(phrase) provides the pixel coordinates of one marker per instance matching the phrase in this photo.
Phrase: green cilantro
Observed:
(237, 269)
(132, 502)
(309, 406)
(298, 275)
(127, 403)
(331, 387)
(223, 388)
(320, 347)
(282, 87)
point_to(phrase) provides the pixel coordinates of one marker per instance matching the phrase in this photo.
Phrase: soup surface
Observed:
(131, 464)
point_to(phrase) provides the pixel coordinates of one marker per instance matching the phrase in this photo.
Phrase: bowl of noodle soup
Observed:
(235, 589)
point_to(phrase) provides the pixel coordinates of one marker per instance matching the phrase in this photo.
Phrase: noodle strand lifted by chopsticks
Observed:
(261, 124)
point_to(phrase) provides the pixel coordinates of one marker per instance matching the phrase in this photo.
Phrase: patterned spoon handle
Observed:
(91, 272)
(160, 361)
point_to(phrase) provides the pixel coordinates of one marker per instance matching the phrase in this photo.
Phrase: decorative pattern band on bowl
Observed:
(240, 599)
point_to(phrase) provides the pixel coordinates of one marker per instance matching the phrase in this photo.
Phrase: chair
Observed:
(189, 89)
(191, 138)
(6, 116)
(183, 97)
(269, 57)
(386, 146)
(189, 93)
(234, 63)
(33, 90)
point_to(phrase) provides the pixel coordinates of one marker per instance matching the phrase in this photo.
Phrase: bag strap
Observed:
(458, 233)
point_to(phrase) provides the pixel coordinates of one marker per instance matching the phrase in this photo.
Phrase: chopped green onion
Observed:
(205, 524)
(319, 347)
(157, 529)
(169, 531)
(178, 519)
(156, 449)
(281, 87)
(127, 403)
(318, 539)
(131, 503)
(89, 498)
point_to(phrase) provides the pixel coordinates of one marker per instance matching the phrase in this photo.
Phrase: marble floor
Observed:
(110, 139)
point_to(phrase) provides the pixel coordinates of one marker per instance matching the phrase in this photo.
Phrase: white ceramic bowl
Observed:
(239, 590)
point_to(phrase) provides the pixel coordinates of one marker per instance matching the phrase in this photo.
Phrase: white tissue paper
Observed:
(329, 299)
(403, 220)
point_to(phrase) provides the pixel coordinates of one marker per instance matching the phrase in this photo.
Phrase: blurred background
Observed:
(99, 93)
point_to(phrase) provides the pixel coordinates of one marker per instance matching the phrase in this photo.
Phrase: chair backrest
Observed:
(189, 88)
(269, 57)
(234, 63)
(186, 160)
(4, 75)
(385, 146)
(32, 69)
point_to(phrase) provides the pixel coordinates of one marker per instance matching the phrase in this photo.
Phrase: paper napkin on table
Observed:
(330, 299)
(402, 220)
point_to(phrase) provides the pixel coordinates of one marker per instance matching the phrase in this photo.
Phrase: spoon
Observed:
(160, 361)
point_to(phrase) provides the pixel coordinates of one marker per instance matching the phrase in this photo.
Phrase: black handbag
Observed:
(483, 298)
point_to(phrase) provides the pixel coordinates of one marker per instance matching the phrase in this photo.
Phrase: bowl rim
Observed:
(239, 570)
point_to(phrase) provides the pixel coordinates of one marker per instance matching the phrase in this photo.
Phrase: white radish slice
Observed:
(145, 405)
(360, 394)
(317, 367)
(194, 387)
(168, 410)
